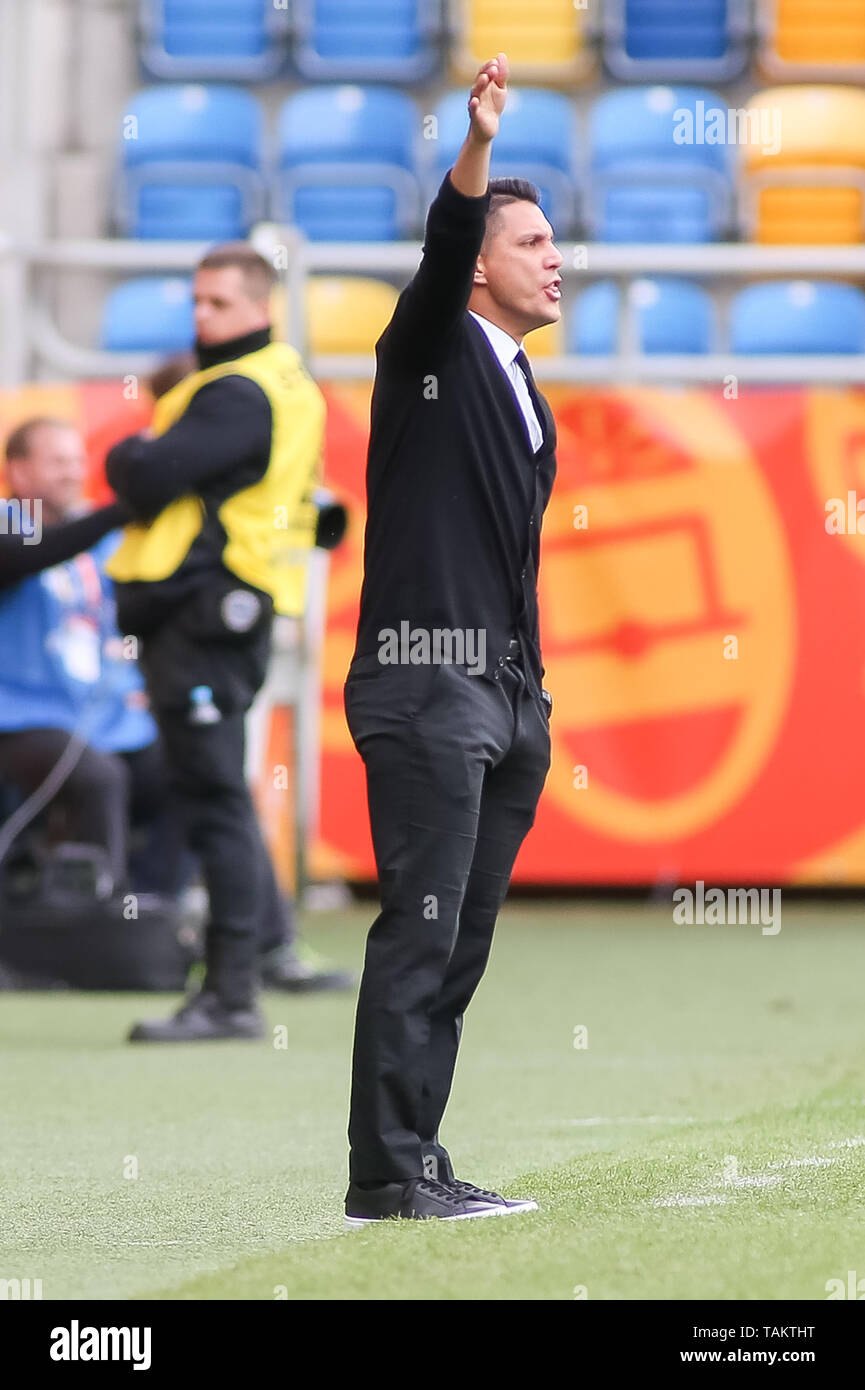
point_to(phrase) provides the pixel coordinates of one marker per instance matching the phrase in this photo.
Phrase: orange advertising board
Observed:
(703, 626)
(703, 636)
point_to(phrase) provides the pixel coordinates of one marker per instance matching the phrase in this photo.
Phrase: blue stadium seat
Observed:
(653, 175)
(376, 41)
(670, 316)
(690, 40)
(537, 139)
(149, 314)
(199, 40)
(190, 164)
(798, 316)
(346, 158)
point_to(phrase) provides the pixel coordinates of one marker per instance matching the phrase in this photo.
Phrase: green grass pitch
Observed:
(708, 1142)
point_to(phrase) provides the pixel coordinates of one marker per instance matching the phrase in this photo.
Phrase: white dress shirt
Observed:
(506, 350)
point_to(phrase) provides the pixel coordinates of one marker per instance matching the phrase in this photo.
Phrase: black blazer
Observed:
(455, 494)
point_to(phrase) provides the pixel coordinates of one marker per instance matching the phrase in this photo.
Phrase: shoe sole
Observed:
(307, 986)
(354, 1223)
(216, 1037)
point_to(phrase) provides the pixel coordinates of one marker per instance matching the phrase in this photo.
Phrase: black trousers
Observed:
(248, 914)
(455, 765)
(116, 800)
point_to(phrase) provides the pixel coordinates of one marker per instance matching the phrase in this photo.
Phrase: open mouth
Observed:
(552, 291)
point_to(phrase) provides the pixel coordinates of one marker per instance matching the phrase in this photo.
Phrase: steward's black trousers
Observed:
(455, 764)
(206, 770)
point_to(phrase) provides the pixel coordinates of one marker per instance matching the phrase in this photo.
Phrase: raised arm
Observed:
(470, 175)
(433, 303)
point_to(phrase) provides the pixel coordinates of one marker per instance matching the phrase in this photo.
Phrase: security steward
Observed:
(222, 484)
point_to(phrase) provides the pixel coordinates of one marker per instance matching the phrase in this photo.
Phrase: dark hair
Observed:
(19, 441)
(258, 273)
(504, 191)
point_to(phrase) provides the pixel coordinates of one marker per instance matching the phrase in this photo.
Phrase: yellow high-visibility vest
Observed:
(269, 526)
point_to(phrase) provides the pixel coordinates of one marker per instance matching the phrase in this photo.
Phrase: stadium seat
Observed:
(378, 41)
(347, 313)
(548, 341)
(190, 164)
(669, 40)
(798, 316)
(346, 164)
(816, 41)
(653, 177)
(807, 185)
(545, 41)
(149, 314)
(344, 314)
(669, 316)
(201, 40)
(537, 140)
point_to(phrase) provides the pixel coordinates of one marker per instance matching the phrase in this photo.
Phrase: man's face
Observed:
(223, 307)
(520, 264)
(53, 471)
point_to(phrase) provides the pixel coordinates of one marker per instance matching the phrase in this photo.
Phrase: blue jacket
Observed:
(62, 663)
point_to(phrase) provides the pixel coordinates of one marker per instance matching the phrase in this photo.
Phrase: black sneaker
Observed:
(420, 1199)
(203, 1018)
(512, 1204)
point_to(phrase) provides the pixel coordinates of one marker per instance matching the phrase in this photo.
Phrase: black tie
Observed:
(523, 363)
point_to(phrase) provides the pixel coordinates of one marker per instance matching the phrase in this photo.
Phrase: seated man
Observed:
(73, 674)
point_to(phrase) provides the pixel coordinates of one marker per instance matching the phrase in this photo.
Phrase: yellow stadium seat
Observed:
(804, 166)
(545, 41)
(548, 341)
(347, 313)
(344, 313)
(813, 38)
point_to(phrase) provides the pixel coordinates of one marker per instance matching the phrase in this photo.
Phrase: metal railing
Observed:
(31, 343)
(294, 680)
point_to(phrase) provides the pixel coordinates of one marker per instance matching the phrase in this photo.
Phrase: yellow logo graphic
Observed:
(675, 602)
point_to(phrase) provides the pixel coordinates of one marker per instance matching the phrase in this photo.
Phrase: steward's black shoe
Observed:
(298, 969)
(203, 1018)
(419, 1199)
(512, 1204)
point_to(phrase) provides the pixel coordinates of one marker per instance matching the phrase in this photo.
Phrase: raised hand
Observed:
(487, 98)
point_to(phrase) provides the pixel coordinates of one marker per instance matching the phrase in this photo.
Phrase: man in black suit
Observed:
(444, 698)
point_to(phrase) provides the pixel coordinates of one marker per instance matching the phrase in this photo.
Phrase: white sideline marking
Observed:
(757, 1180)
(680, 1200)
(764, 1178)
(326, 1235)
(636, 1120)
(814, 1161)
